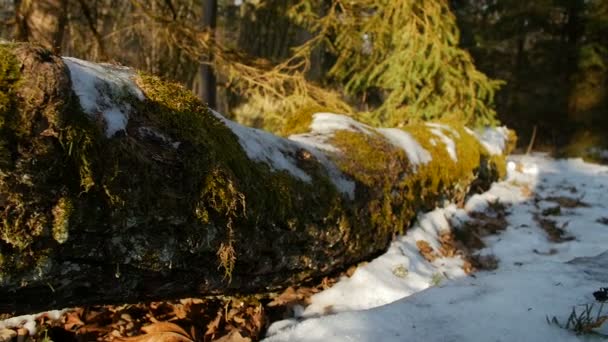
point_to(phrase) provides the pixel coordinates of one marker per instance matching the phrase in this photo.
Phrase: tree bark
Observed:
(182, 202)
(42, 22)
(207, 91)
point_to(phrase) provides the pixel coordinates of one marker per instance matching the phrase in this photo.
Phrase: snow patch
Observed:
(400, 272)
(494, 139)
(415, 152)
(444, 128)
(328, 123)
(341, 182)
(323, 127)
(401, 296)
(264, 147)
(103, 91)
(29, 321)
(278, 153)
(438, 131)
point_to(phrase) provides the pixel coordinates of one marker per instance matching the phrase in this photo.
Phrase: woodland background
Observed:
(271, 63)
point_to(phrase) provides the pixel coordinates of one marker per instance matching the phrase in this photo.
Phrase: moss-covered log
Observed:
(117, 186)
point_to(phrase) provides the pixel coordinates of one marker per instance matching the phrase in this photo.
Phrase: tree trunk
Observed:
(42, 22)
(207, 91)
(178, 201)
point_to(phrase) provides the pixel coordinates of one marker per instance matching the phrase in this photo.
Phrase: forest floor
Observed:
(524, 261)
(540, 242)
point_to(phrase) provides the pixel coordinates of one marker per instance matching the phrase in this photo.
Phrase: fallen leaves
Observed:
(487, 262)
(7, 335)
(449, 245)
(555, 233)
(567, 202)
(211, 319)
(160, 332)
(233, 336)
(467, 239)
(228, 319)
(427, 252)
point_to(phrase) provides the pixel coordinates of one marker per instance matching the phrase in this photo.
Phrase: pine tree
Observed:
(407, 53)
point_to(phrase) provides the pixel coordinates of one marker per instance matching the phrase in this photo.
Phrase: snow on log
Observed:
(116, 186)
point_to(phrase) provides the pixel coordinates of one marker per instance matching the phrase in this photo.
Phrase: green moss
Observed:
(394, 190)
(9, 77)
(203, 203)
(301, 121)
(227, 188)
(369, 157)
(220, 194)
(378, 167)
(77, 139)
(61, 219)
(38, 180)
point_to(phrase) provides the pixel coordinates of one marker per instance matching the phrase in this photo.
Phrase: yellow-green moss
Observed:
(9, 77)
(395, 189)
(377, 166)
(203, 204)
(300, 122)
(77, 139)
(227, 187)
(61, 219)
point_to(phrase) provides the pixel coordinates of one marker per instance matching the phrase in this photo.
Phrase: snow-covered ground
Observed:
(400, 296)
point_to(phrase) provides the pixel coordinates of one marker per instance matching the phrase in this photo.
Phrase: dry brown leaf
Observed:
(238, 319)
(351, 270)
(7, 335)
(164, 327)
(288, 296)
(257, 318)
(214, 325)
(233, 336)
(426, 250)
(448, 244)
(233, 314)
(93, 328)
(467, 267)
(72, 320)
(160, 332)
(180, 311)
(156, 337)
(191, 301)
(526, 191)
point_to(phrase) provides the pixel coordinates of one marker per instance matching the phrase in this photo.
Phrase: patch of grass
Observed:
(437, 279)
(584, 321)
(400, 271)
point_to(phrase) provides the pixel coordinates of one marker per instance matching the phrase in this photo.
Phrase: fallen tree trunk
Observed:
(116, 186)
